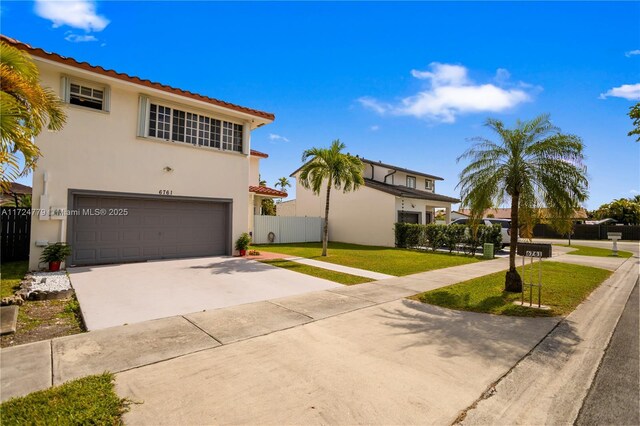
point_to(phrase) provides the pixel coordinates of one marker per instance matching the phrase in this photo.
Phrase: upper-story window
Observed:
(176, 125)
(411, 182)
(428, 184)
(85, 94)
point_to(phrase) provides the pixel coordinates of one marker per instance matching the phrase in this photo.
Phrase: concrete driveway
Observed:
(129, 293)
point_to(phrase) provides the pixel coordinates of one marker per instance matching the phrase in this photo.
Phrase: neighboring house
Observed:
(505, 213)
(15, 195)
(458, 215)
(141, 170)
(286, 208)
(390, 194)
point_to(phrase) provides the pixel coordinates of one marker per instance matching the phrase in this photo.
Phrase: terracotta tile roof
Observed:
(259, 154)
(18, 188)
(403, 191)
(263, 190)
(41, 53)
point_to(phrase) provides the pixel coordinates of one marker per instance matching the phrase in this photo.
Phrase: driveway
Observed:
(129, 293)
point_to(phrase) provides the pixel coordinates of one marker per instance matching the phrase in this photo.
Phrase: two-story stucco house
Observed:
(141, 170)
(390, 194)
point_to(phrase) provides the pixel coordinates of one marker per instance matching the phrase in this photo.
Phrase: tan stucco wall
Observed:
(100, 151)
(365, 216)
(287, 208)
(254, 171)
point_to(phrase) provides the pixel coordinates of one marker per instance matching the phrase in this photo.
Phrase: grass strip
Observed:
(564, 286)
(90, 400)
(338, 277)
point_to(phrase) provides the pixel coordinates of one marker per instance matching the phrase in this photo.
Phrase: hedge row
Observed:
(452, 237)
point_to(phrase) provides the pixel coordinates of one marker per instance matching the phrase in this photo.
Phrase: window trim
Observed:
(428, 184)
(414, 182)
(66, 82)
(145, 113)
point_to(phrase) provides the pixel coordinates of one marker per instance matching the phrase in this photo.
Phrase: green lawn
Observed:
(595, 251)
(564, 286)
(90, 400)
(386, 260)
(12, 273)
(338, 277)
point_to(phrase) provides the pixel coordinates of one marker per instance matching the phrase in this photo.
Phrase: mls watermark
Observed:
(60, 212)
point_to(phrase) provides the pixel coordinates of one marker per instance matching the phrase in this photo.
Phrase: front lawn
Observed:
(12, 274)
(564, 286)
(386, 260)
(90, 400)
(595, 251)
(338, 277)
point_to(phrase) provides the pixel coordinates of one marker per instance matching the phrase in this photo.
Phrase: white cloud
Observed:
(73, 13)
(632, 53)
(451, 93)
(626, 91)
(374, 128)
(75, 38)
(275, 137)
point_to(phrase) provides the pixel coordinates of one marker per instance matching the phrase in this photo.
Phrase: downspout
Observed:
(390, 174)
(373, 170)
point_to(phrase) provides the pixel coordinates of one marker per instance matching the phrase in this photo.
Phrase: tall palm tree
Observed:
(533, 165)
(26, 109)
(283, 182)
(333, 168)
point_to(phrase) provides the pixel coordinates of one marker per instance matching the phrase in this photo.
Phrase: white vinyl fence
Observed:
(287, 229)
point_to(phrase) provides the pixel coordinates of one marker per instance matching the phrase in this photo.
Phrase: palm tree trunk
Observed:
(513, 281)
(325, 236)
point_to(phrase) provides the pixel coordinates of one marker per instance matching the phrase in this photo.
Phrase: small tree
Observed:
(330, 168)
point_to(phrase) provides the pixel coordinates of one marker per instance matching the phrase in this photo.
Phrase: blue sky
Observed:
(405, 83)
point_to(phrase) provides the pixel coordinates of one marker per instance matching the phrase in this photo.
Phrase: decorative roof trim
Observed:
(263, 190)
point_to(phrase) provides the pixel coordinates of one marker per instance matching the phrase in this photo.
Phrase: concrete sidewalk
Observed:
(340, 268)
(549, 385)
(28, 368)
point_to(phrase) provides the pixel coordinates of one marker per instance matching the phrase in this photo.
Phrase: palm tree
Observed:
(339, 170)
(26, 108)
(283, 182)
(532, 165)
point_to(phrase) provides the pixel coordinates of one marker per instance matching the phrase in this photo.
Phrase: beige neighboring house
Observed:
(15, 194)
(141, 170)
(367, 216)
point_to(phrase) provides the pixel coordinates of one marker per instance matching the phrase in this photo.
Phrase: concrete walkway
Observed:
(28, 368)
(340, 268)
(549, 385)
(357, 354)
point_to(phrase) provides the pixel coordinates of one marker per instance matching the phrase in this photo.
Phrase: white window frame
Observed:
(237, 128)
(66, 92)
(428, 184)
(414, 182)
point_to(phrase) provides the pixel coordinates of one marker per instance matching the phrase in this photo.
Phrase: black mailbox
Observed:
(533, 250)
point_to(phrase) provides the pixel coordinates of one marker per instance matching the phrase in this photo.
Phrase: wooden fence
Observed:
(15, 233)
(590, 232)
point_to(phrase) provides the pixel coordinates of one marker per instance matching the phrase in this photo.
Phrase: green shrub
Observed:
(454, 236)
(410, 235)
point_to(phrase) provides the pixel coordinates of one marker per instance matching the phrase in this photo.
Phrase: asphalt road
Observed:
(614, 397)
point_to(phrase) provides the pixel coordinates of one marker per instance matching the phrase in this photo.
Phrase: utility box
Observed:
(488, 251)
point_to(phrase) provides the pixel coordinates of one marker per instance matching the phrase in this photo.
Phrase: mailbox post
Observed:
(532, 251)
(615, 236)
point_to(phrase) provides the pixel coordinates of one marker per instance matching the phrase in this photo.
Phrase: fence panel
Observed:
(287, 229)
(15, 234)
(590, 232)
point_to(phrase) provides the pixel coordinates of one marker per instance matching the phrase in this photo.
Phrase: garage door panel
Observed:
(153, 229)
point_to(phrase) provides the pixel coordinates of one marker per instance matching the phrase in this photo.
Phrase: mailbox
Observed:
(613, 235)
(533, 250)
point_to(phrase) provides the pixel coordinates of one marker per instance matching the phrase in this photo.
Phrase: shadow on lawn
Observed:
(459, 333)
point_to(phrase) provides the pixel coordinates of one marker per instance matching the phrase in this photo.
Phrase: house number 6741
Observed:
(165, 192)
